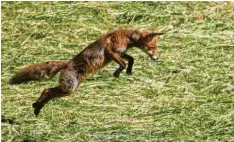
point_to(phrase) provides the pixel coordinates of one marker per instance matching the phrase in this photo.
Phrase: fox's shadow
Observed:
(9, 121)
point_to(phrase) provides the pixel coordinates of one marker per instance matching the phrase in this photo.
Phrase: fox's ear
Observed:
(150, 36)
(135, 35)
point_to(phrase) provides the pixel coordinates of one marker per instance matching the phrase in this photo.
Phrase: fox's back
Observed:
(91, 58)
(95, 55)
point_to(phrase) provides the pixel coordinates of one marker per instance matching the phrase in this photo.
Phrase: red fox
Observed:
(112, 46)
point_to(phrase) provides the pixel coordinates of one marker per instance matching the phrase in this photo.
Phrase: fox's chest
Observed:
(122, 49)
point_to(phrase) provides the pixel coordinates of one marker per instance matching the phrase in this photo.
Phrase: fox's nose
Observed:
(154, 57)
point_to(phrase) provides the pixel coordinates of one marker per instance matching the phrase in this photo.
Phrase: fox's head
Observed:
(147, 42)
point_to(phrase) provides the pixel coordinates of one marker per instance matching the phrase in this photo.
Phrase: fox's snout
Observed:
(153, 57)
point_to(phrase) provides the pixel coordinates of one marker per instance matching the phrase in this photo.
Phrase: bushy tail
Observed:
(45, 70)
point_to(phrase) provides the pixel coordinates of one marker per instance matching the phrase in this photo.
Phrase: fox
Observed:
(109, 47)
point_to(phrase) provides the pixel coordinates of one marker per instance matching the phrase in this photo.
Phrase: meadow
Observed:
(187, 95)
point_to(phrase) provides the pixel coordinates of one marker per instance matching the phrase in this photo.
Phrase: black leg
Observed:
(118, 71)
(116, 57)
(130, 62)
(46, 96)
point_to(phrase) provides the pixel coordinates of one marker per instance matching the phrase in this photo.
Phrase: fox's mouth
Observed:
(154, 58)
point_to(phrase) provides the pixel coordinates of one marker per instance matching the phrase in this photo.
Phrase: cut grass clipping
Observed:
(188, 95)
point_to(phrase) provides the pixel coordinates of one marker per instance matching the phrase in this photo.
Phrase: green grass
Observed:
(188, 95)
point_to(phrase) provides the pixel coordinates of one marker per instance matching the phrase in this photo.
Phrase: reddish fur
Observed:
(111, 46)
(45, 70)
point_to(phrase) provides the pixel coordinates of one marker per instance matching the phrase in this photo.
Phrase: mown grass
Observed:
(188, 95)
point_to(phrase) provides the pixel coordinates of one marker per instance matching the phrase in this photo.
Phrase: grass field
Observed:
(188, 95)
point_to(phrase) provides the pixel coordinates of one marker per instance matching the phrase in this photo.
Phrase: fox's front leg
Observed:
(116, 57)
(130, 62)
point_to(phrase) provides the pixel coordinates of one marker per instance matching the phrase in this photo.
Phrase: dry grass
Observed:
(186, 96)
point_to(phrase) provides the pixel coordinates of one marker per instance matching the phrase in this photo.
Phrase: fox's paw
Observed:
(37, 107)
(129, 72)
(36, 111)
(116, 74)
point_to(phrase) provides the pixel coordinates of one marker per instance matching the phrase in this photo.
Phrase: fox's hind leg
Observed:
(47, 95)
(69, 81)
